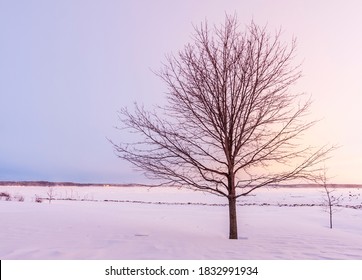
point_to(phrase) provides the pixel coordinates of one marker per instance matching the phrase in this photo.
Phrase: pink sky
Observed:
(68, 66)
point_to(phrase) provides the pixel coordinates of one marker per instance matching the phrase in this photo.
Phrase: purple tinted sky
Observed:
(67, 66)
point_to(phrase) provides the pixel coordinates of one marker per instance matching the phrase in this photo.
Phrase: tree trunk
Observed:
(233, 225)
(233, 230)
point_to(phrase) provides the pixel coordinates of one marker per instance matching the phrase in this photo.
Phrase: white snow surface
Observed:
(168, 223)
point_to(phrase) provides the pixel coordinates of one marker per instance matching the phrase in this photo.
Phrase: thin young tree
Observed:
(330, 201)
(231, 123)
(51, 194)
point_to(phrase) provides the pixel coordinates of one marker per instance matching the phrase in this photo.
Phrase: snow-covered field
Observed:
(168, 223)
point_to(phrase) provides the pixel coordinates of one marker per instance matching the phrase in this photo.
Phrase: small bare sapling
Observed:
(51, 194)
(330, 201)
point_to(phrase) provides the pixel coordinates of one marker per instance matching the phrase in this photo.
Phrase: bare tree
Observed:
(51, 194)
(330, 201)
(231, 124)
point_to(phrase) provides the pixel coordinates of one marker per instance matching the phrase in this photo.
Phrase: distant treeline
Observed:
(65, 184)
(57, 184)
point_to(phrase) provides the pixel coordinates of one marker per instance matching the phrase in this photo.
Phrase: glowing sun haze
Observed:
(68, 66)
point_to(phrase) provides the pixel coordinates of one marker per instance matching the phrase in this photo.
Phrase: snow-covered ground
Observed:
(168, 223)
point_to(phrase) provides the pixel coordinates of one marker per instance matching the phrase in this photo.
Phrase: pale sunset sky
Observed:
(67, 66)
